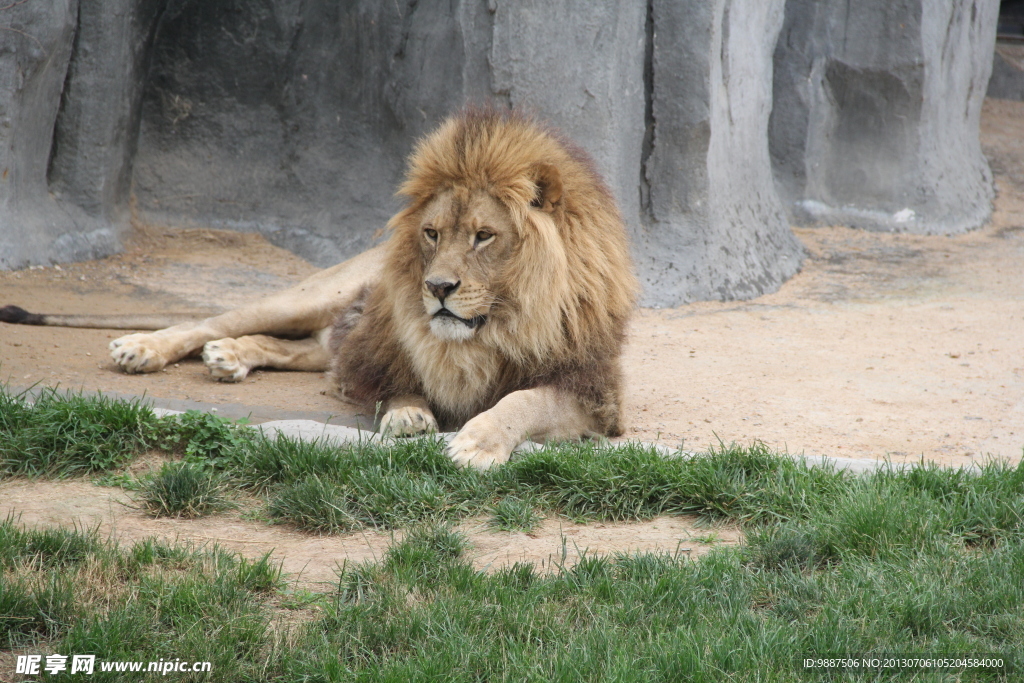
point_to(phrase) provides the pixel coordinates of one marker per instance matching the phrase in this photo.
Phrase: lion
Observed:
(507, 285)
(496, 307)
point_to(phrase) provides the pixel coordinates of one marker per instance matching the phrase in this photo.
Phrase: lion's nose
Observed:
(442, 288)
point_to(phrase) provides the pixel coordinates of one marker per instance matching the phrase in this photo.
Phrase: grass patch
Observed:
(633, 482)
(49, 548)
(514, 514)
(38, 607)
(202, 437)
(313, 504)
(59, 434)
(920, 560)
(142, 602)
(320, 487)
(423, 613)
(182, 489)
(815, 512)
(53, 433)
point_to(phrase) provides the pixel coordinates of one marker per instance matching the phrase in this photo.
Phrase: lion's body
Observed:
(288, 330)
(498, 304)
(555, 303)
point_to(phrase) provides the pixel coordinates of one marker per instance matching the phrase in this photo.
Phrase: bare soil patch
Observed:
(164, 270)
(884, 346)
(313, 560)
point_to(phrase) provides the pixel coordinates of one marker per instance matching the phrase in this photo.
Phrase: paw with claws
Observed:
(482, 443)
(225, 360)
(139, 353)
(408, 421)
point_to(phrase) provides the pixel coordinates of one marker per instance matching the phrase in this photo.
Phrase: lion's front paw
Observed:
(408, 421)
(225, 359)
(139, 352)
(482, 443)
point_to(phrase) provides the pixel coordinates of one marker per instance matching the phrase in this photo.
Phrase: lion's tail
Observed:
(130, 321)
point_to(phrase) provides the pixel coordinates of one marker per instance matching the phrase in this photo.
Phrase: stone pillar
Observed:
(72, 76)
(98, 125)
(580, 66)
(35, 47)
(713, 226)
(876, 113)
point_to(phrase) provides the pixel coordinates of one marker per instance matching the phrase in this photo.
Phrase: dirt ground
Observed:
(313, 560)
(884, 346)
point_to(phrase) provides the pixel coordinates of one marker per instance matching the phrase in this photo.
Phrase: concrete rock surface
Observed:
(71, 97)
(1007, 80)
(302, 133)
(294, 119)
(876, 113)
(35, 48)
(95, 136)
(713, 226)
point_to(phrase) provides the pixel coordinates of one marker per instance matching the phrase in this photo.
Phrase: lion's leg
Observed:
(230, 360)
(300, 310)
(541, 413)
(407, 416)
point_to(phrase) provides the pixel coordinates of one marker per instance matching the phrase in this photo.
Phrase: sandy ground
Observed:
(313, 560)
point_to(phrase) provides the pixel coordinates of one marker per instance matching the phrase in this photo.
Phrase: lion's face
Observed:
(465, 238)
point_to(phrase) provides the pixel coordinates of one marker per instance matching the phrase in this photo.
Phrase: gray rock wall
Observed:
(97, 128)
(35, 48)
(302, 134)
(294, 118)
(319, 159)
(713, 226)
(579, 65)
(1007, 80)
(71, 79)
(876, 113)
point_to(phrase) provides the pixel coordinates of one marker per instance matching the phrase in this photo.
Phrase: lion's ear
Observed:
(549, 187)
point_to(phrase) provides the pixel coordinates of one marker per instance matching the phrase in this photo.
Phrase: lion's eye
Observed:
(483, 236)
(431, 234)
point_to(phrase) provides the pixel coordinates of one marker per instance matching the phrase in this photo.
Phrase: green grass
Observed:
(65, 434)
(423, 613)
(650, 617)
(54, 433)
(921, 560)
(324, 488)
(144, 602)
(513, 514)
(182, 489)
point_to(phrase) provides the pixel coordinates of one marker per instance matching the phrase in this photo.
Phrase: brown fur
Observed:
(556, 304)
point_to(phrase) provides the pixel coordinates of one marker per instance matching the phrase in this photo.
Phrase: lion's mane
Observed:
(564, 297)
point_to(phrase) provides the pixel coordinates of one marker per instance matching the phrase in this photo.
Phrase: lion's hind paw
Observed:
(137, 353)
(223, 358)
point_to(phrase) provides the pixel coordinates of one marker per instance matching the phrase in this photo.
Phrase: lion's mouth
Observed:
(472, 323)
